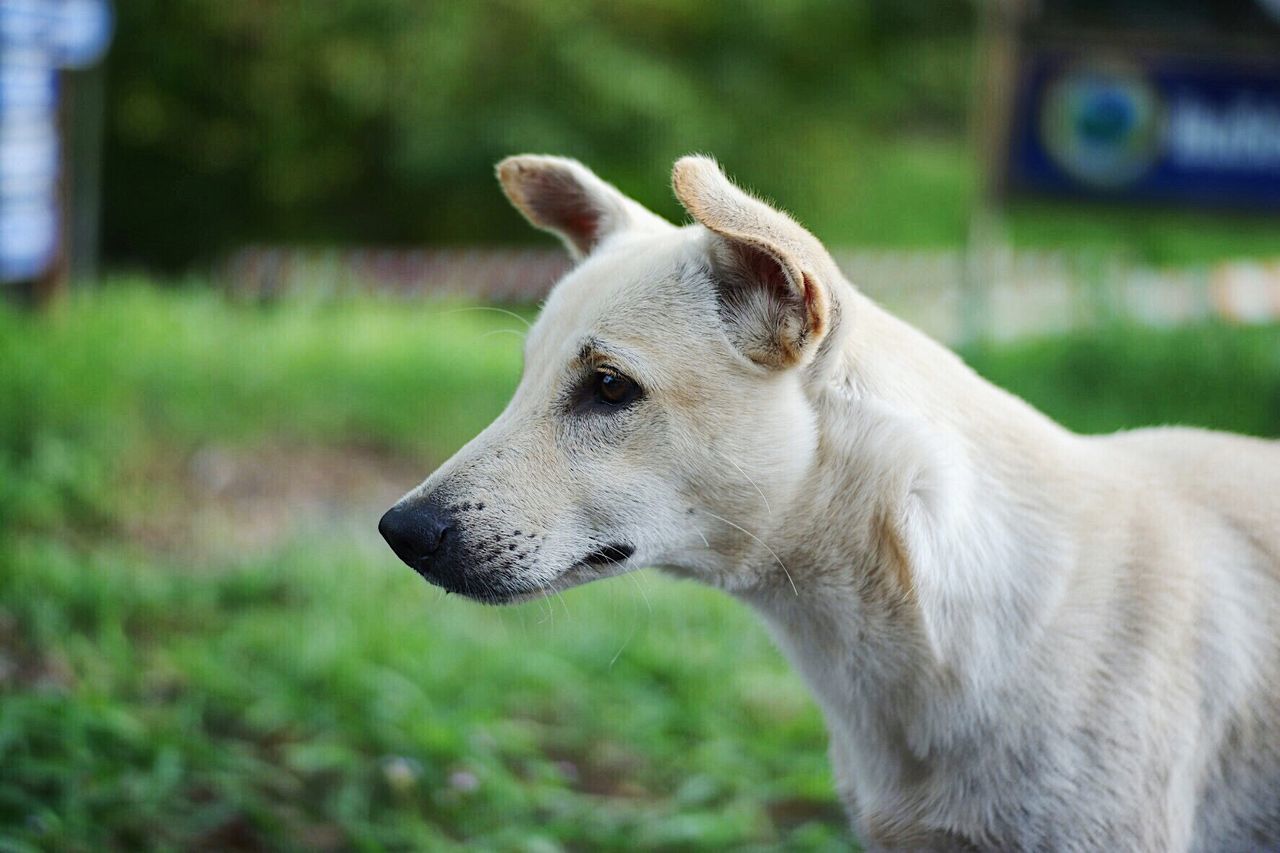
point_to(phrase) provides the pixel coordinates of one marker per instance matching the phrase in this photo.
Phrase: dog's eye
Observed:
(613, 389)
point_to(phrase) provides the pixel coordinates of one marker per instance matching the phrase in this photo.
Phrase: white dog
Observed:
(1021, 638)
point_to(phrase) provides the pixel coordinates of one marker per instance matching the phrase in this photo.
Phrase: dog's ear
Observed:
(770, 272)
(566, 198)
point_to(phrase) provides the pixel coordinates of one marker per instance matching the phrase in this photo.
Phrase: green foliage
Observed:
(325, 697)
(1120, 377)
(105, 379)
(1148, 233)
(380, 120)
(316, 694)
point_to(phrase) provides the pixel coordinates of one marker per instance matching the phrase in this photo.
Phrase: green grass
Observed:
(316, 694)
(1119, 377)
(1149, 234)
(326, 693)
(184, 366)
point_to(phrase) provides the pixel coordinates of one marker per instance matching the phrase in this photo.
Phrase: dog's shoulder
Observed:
(1234, 475)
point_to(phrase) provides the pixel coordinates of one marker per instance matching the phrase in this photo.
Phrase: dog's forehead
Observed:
(634, 291)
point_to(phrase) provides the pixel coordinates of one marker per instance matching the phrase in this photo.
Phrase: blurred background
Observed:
(258, 279)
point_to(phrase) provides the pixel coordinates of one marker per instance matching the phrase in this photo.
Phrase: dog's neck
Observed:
(923, 551)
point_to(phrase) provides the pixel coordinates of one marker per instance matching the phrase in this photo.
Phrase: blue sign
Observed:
(1166, 130)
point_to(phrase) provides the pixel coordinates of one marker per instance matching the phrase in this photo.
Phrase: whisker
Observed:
(762, 543)
(544, 601)
(643, 594)
(759, 491)
(624, 645)
(502, 621)
(563, 603)
(636, 626)
(527, 324)
(519, 334)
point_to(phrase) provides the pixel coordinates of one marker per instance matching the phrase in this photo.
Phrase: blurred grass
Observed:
(326, 697)
(319, 695)
(1122, 376)
(919, 190)
(181, 367)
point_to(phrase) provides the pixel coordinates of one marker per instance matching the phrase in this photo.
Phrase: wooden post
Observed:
(994, 60)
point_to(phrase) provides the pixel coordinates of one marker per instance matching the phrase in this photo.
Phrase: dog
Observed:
(1020, 638)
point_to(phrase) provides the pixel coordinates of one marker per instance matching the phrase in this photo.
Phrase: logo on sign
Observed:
(1103, 127)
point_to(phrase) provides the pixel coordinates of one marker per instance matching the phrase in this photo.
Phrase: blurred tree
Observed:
(380, 120)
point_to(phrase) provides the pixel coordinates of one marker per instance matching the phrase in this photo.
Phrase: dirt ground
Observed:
(231, 502)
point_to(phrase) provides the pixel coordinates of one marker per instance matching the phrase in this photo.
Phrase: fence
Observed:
(952, 294)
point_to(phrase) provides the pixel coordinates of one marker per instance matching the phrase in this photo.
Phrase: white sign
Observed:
(36, 38)
(28, 238)
(26, 86)
(74, 33)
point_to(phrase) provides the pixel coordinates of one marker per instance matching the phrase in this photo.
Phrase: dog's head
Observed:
(662, 417)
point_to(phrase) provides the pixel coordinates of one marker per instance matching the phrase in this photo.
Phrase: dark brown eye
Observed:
(614, 389)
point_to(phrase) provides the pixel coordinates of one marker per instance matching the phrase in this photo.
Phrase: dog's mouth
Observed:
(488, 592)
(507, 592)
(607, 555)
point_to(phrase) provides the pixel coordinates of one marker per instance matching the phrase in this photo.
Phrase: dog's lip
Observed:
(499, 595)
(610, 554)
(504, 597)
(485, 592)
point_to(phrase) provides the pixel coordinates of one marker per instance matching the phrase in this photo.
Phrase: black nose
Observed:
(415, 530)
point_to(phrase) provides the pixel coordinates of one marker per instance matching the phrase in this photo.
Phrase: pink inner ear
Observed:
(766, 269)
(583, 225)
(558, 201)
